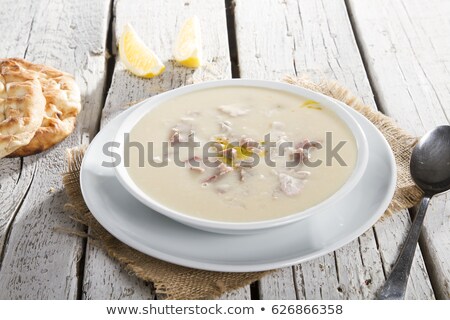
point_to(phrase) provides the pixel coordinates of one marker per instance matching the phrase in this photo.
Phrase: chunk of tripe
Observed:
(290, 185)
(234, 110)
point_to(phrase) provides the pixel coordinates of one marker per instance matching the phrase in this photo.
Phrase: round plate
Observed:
(156, 235)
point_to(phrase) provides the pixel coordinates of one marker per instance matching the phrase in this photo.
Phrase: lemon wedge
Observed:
(137, 57)
(188, 45)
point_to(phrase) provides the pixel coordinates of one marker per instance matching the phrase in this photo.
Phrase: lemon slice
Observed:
(136, 56)
(188, 45)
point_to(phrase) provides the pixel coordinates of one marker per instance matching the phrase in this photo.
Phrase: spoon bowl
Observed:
(430, 170)
(430, 161)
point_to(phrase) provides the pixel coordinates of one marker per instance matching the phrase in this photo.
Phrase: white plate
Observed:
(158, 236)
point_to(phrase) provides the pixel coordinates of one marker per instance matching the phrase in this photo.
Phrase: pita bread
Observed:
(22, 106)
(63, 104)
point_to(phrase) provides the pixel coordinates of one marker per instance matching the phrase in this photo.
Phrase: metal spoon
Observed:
(430, 170)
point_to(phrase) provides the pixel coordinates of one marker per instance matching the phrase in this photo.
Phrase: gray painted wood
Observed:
(104, 278)
(317, 279)
(315, 37)
(15, 178)
(407, 49)
(39, 262)
(239, 294)
(280, 37)
(278, 285)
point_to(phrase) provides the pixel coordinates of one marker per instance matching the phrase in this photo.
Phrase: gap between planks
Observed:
(8, 224)
(148, 24)
(36, 211)
(86, 139)
(405, 34)
(322, 44)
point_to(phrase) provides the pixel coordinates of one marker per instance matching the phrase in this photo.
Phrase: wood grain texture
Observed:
(316, 38)
(114, 283)
(406, 51)
(39, 262)
(406, 46)
(158, 28)
(238, 294)
(317, 279)
(278, 285)
(15, 178)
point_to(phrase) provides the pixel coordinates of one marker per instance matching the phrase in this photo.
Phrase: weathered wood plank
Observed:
(239, 294)
(278, 285)
(317, 279)
(390, 241)
(315, 37)
(39, 262)
(15, 180)
(436, 245)
(406, 46)
(157, 22)
(14, 177)
(115, 283)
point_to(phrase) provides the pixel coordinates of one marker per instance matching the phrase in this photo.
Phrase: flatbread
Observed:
(22, 106)
(63, 104)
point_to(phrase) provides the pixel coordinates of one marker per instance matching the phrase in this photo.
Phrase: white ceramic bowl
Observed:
(241, 227)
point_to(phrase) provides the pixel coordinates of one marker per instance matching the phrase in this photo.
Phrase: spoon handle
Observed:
(395, 286)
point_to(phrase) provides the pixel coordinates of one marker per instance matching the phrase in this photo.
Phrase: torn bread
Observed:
(63, 104)
(22, 106)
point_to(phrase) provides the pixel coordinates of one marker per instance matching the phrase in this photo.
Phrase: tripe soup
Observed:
(226, 184)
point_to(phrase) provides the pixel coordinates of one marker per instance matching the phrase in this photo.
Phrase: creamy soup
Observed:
(227, 183)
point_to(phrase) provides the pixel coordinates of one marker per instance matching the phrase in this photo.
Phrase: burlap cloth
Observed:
(177, 282)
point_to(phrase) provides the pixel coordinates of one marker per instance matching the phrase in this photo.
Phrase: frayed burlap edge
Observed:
(177, 282)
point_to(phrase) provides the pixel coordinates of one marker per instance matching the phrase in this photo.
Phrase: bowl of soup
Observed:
(240, 156)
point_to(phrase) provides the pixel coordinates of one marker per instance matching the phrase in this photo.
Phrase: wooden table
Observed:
(395, 54)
